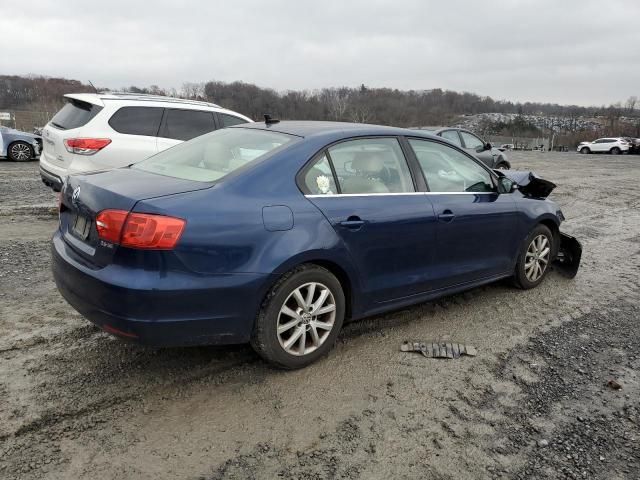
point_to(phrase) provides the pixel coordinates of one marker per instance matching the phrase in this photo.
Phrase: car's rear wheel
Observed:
(535, 258)
(300, 319)
(615, 151)
(585, 150)
(20, 152)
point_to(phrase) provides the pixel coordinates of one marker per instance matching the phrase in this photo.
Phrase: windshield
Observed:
(212, 156)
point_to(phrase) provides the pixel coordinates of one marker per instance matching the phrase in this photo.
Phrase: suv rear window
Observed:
(137, 120)
(215, 155)
(187, 124)
(75, 114)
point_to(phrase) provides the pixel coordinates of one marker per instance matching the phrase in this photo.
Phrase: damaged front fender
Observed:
(529, 183)
(567, 260)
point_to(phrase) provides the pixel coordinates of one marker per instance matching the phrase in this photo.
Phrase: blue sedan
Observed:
(276, 233)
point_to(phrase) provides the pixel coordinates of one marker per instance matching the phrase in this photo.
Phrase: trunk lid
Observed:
(84, 196)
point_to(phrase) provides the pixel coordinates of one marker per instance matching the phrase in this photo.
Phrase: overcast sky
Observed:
(566, 51)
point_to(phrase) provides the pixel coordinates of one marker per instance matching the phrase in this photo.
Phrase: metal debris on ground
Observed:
(614, 385)
(439, 349)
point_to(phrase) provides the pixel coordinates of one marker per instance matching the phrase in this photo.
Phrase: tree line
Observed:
(405, 108)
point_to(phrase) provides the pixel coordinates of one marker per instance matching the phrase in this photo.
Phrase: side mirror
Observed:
(506, 185)
(487, 146)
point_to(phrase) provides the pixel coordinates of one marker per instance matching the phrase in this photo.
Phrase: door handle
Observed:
(353, 222)
(446, 216)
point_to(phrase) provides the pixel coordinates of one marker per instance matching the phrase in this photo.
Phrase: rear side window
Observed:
(229, 120)
(318, 180)
(75, 114)
(137, 120)
(187, 124)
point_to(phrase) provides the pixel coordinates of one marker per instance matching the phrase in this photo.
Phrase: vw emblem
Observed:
(75, 194)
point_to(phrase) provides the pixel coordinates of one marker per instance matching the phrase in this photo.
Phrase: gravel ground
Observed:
(534, 403)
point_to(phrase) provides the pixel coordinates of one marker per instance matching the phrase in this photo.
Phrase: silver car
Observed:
(19, 146)
(492, 157)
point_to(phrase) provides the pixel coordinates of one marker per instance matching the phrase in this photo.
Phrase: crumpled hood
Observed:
(529, 183)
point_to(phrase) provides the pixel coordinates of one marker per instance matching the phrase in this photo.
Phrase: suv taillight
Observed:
(85, 146)
(139, 230)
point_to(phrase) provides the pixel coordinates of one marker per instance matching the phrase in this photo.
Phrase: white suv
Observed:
(614, 146)
(98, 131)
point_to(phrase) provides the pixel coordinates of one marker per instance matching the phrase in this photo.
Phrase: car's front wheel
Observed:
(20, 152)
(585, 150)
(300, 319)
(535, 258)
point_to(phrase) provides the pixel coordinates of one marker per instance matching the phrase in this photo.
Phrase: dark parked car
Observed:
(276, 233)
(19, 146)
(489, 155)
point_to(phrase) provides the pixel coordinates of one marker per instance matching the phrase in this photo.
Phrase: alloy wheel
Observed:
(306, 319)
(20, 152)
(537, 258)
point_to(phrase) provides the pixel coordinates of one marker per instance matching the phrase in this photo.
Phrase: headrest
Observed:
(367, 162)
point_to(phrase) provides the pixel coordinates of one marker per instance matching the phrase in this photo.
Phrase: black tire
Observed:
(520, 277)
(585, 150)
(615, 151)
(503, 166)
(20, 152)
(264, 338)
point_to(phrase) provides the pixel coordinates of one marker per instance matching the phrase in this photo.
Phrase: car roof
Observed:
(308, 128)
(96, 98)
(100, 98)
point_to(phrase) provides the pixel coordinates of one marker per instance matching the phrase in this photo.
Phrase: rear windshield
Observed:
(75, 114)
(212, 156)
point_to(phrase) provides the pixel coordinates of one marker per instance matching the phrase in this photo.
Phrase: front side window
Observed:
(371, 165)
(187, 124)
(215, 155)
(452, 135)
(471, 141)
(137, 120)
(448, 170)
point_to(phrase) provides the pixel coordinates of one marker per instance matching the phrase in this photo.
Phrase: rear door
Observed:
(476, 226)
(365, 189)
(180, 125)
(137, 127)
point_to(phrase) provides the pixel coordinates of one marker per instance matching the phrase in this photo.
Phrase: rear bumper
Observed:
(160, 308)
(51, 180)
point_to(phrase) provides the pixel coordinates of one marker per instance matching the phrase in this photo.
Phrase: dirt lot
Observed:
(534, 403)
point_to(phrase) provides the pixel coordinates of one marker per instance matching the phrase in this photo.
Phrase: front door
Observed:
(365, 189)
(476, 234)
(476, 146)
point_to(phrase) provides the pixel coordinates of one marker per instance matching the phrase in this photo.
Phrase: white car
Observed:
(612, 145)
(101, 131)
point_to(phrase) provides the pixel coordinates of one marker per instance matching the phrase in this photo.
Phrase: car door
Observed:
(180, 125)
(600, 145)
(138, 127)
(476, 234)
(476, 146)
(365, 188)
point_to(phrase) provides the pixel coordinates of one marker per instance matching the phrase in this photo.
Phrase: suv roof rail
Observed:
(161, 98)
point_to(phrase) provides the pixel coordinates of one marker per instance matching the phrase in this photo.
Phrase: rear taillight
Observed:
(139, 230)
(109, 224)
(85, 146)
